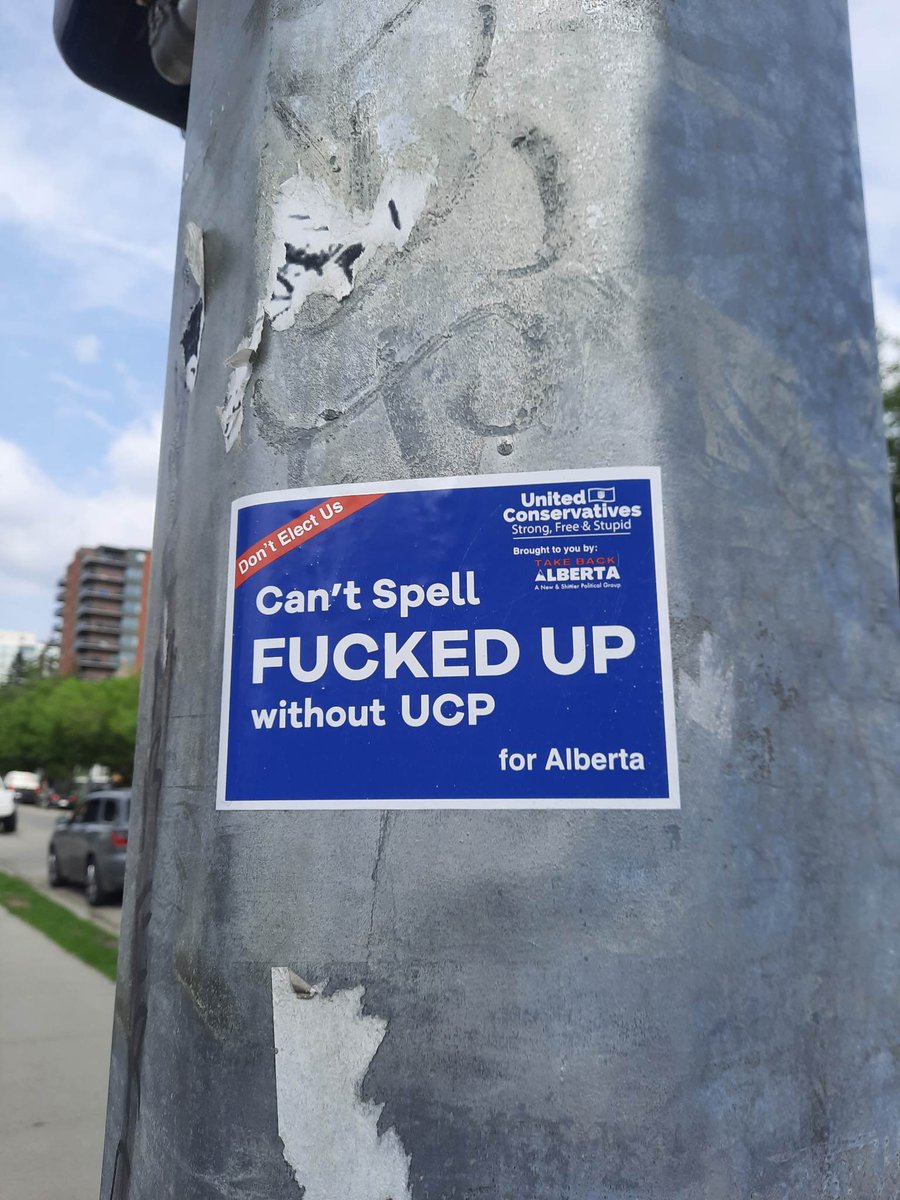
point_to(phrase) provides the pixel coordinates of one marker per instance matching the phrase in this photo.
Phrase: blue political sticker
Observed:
(487, 642)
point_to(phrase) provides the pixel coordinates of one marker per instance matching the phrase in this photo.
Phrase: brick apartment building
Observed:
(101, 608)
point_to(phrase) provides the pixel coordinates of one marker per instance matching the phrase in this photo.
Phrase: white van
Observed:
(24, 785)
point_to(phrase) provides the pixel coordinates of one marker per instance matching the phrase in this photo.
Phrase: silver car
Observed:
(89, 846)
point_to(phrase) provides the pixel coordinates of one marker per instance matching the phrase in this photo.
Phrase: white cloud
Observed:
(92, 183)
(86, 348)
(887, 308)
(887, 313)
(875, 25)
(81, 412)
(133, 458)
(77, 388)
(132, 385)
(44, 521)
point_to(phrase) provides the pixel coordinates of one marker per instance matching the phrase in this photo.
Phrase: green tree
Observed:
(59, 725)
(21, 670)
(120, 703)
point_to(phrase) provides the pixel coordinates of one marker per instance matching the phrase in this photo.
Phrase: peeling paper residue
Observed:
(709, 699)
(190, 339)
(320, 245)
(323, 1048)
(231, 414)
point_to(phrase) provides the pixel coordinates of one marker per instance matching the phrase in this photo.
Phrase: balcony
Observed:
(88, 626)
(103, 590)
(97, 658)
(103, 608)
(88, 669)
(97, 575)
(91, 642)
(104, 556)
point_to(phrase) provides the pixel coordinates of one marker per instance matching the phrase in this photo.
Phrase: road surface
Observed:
(24, 853)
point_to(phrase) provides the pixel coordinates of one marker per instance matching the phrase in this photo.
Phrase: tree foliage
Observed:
(58, 725)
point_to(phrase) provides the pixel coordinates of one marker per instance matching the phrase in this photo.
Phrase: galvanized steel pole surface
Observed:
(633, 233)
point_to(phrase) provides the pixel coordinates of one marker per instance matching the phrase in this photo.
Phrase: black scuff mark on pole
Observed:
(395, 216)
(540, 154)
(365, 164)
(304, 258)
(348, 257)
(384, 831)
(190, 339)
(307, 259)
(296, 128)
(285, 283)
(391, 373)
(485, 48)
(384, 30)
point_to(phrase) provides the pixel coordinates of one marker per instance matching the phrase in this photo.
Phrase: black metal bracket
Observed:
(104, 42)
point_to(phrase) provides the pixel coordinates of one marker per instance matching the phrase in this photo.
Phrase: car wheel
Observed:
(9, 823)
(94, 891)
(54, 875)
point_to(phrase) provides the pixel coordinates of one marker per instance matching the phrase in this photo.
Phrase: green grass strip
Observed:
(82, 938)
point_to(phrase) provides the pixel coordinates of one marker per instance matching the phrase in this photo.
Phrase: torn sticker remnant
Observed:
(231, 414)
(323, 1048)
(320, 246)
(190, 339)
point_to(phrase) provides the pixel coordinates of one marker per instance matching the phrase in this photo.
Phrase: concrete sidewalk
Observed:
(55, 1030)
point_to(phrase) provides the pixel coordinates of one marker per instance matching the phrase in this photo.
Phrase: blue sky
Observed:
(89, 193)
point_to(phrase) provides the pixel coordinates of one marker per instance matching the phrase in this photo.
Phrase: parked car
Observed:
(7, 810)
(25, 785)
(89, 846)
(58, 795)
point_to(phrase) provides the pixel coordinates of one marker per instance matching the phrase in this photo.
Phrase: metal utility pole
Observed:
(480, 237)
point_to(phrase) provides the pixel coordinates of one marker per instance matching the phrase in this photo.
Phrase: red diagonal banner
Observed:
(293, 533)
